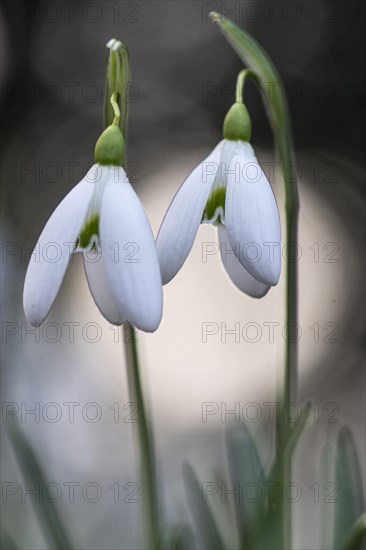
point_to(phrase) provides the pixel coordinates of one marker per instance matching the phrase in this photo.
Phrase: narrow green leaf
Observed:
(255, 57)
(298, 428)
(263, 519)
(50, 521)
(328, 461)
(350, 505)
(7, 543)
(247, 473)
(356, 540)
(201, 511)
(180, 538)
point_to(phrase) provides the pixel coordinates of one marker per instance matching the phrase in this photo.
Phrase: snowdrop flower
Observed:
(103, 219)
(229, 190)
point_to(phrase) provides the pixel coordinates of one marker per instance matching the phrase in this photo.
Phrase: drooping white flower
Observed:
(103, 219)
(230, 190)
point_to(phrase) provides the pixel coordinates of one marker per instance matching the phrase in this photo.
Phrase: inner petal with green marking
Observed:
(90, 232)
(215, 207)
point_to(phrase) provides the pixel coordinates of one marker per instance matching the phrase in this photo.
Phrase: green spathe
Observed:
(237, 124)
(110, 147)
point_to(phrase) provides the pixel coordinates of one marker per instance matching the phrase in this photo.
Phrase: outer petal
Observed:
(237, 273)
(182, 220)
(98, 285)
(252, 218)
(52, 253)
(129, 255)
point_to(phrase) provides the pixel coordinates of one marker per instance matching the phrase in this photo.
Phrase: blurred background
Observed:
(65, 382)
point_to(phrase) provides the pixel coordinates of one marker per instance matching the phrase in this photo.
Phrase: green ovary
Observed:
(215, 200)
(90, 229)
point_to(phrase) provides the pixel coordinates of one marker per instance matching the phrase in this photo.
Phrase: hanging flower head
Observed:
(103, 219)
(230, 190)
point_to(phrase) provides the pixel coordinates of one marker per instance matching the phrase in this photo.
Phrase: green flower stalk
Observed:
(108, 149)
(272, 88)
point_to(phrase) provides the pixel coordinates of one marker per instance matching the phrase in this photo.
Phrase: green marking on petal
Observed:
(90, 229)
(215, 205)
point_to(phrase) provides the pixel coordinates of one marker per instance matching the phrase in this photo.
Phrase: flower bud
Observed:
(237, 124)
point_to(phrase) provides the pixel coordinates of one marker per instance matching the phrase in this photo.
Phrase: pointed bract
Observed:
(52, 253)
(252, 218)
(129, 255)
(182, 220)
(237, 273)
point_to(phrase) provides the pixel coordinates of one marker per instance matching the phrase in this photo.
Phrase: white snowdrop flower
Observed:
(230, 190)
(103, 219)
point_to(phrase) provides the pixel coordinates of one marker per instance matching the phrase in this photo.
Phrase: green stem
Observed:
(285, 151)
(145, 439)
(272, 88)
(117, 113)
(240, 81)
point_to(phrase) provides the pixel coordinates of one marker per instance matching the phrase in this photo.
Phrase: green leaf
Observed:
(356, 540)
(298, 428)
(201, 511)
(7, 543)
(180, 538)
(268, 78)
(50, 522)
(247, 471)
(348, 478)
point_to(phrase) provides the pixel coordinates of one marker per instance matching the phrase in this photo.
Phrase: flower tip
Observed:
(150, 320)
(271, 275)
(35, 310)
(32, 314)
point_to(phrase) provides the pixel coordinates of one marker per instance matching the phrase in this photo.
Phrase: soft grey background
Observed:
(52, 73)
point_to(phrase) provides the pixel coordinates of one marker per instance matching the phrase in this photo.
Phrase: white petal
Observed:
(182, 220)
(98, 285)
(129, 255)
(237, 273)
(52, 253)
(252, 218)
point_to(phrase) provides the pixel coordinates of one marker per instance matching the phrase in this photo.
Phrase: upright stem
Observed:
(284, 428)
(275, 101)
(292, 210)
(118, 75)
(145, 439)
